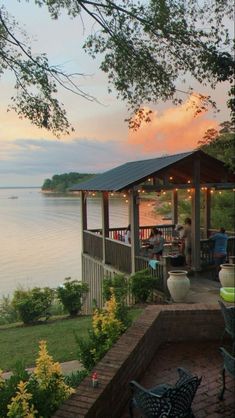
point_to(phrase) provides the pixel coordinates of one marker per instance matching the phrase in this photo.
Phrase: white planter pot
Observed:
(227, 275)
(178, 284)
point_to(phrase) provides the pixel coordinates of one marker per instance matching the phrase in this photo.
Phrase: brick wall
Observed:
(131, 355)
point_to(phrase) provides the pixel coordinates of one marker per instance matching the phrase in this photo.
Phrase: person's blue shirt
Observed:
(221, 240)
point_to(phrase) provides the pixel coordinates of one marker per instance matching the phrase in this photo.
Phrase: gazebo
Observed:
(103, 254)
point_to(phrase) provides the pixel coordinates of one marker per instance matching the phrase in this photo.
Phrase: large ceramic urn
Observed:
(227, 275)
(178, 284)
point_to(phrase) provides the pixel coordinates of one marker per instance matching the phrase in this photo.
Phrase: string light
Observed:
(164, 193)
(126, 200)
(149, 179)
(139, 191)
(124, 195)
(189, 181)
(170, 178)
(188, 190)
(212, 191)
(111, 194)
(93, 194)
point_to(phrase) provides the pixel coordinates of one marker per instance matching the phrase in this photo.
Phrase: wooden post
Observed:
(196, 262)
(83, 216)
(207, 213)
(174, 204)
(105, 220)
(134, 212)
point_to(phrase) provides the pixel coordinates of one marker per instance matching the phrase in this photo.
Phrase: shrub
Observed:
(36, 395)
(8, 387)
(8, 313)
(106, 328)
(71, 295)
(32, 304)
(47, 384)
(118, 286)
(142, 285)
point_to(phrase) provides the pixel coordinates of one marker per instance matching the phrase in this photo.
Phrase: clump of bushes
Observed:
(71, 295)
(32, 304)
(142, 285)
(34, 395)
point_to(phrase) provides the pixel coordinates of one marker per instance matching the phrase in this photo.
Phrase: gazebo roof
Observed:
(133, 173)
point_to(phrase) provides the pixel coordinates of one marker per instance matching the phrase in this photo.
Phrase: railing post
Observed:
(207, 212)
(135, 242)
(83, 217)
(105, 221)
(174, 205)
(196, 262)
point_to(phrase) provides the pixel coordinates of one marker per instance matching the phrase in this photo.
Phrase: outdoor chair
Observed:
(166, 401)
(228, 366)
(228, 313)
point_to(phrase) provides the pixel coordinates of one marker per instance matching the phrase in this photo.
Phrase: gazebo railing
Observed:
(93, 244)
(118, 255)
(207, 250)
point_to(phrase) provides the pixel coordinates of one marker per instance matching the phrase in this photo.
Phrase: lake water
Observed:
(40, 235)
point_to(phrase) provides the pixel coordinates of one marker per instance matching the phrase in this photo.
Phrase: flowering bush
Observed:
(20, 406)
(106, 323)
(36, 395)
(118, 286)
(106, 328)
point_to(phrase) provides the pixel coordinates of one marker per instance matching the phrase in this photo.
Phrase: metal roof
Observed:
(128, 174)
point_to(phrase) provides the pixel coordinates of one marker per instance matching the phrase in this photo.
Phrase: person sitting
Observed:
(149, 242)
(220, 248)
(158, 245)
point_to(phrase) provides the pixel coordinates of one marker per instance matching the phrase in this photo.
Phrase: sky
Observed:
(101, 140)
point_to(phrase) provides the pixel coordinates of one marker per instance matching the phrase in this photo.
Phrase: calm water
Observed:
(40, 236)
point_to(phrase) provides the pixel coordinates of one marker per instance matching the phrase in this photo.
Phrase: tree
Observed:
(147, 48)
(220, 143)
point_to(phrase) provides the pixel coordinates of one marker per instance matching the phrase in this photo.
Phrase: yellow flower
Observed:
(47, 370)
(19, 406)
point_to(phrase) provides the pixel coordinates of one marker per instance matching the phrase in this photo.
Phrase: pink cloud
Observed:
(175, 129)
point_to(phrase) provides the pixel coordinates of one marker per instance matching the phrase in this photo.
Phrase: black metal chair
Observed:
(228, 366)
(228, 313)
(166, 401)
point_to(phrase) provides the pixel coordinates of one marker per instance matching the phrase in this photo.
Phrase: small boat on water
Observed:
(13, 197)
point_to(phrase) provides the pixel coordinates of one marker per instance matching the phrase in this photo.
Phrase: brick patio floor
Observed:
(202, 359)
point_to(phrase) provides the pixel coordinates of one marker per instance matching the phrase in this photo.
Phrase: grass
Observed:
(20, 343)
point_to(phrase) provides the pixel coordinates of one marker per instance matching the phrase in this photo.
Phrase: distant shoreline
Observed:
(20, 187)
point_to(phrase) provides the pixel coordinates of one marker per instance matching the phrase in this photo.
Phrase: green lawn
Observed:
(20, 343)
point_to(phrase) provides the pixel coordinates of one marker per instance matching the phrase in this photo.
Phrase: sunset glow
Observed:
(175, 129)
